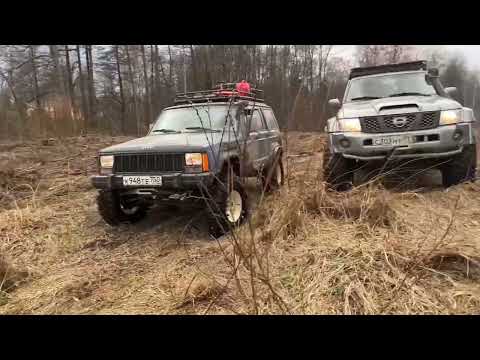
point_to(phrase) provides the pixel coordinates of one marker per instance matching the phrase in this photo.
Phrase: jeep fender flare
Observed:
(276, 151)
(231, 157)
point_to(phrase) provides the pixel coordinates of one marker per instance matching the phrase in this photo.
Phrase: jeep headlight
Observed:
(194, 159)
(196, 162)
(450, 117)
(106, 164)
(345, 125)
(106, 161)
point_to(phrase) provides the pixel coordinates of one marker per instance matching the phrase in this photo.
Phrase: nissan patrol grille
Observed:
(400, 122)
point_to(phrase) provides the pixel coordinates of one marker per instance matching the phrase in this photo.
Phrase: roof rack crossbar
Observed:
(216, 94)
(372, 70)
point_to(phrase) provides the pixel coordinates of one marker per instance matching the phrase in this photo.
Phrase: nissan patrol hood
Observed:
(397, 105)
(174, 142)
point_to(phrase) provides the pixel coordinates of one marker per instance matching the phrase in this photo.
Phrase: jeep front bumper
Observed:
(442, 141)
(170, 181)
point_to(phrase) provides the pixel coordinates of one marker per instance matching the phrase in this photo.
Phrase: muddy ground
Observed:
(59, 257)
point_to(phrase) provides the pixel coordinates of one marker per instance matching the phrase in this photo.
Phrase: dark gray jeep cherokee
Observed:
(398, 114)
(196, 154)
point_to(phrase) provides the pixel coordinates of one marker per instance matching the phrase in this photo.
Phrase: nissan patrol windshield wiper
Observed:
(365, 98)
(200, 128)
(409, 94)
(166, 131)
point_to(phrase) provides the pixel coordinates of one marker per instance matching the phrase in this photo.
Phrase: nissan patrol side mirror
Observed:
(451, 91)
(334, 104)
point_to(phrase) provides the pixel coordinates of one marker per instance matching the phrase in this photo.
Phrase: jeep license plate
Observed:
(142, 181)
(392, 141)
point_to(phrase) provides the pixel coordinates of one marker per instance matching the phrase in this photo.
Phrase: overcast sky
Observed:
(471, 52)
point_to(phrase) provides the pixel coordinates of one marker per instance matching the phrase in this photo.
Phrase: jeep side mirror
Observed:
(334, 104)
(451, 91)
(433, 72)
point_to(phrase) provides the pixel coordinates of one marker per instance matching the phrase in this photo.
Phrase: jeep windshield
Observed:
(194, 118)
(389, 85)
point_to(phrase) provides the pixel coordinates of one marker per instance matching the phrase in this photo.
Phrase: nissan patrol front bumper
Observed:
(173, 182)
(442, 141)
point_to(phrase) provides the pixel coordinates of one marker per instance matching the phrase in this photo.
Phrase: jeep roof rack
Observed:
(372, 70)
(222, 92)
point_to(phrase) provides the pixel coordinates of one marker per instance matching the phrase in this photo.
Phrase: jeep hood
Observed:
(397, 105)
(181, 142)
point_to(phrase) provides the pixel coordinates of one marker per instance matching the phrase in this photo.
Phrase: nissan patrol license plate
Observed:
(394, 140)
(142, 181)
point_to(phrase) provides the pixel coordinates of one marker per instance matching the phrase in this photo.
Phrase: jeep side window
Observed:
(256, 122)
(270, 119)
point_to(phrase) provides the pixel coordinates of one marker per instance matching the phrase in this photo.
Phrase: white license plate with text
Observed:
(142, 181)
(395, 140)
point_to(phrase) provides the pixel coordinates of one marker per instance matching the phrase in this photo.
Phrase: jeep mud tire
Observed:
(229, 206)
(461, 167)
(114, 214)
(273, 177)
(337, 171)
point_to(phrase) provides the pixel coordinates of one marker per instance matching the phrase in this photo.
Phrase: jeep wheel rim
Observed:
(234, 206)
(129, 211)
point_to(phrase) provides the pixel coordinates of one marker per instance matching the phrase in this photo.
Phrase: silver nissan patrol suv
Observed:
(396, 114)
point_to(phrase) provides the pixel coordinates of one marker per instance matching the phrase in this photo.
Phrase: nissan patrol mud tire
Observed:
(114, 213)
(273, 177)
(461, 167)
(337, 171)
(229, 207)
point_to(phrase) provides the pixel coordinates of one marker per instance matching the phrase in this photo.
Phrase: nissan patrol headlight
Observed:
(345, 125)
(106, 164)
(450, 117)
(196, 162)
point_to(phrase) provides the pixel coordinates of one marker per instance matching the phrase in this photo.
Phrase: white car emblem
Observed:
(400, 121)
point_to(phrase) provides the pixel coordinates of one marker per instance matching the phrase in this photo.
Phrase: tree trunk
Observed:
(122, 95)
(71, 93)
(19, 106)
(58, 78)
(134, 91)
(170, 65)
(91, 86)
(82, 91)
(153, 79)
(35, 76)
(148, 103)
(194, 68)
(208, 77)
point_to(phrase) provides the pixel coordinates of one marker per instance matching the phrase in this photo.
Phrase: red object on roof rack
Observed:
(243, 88)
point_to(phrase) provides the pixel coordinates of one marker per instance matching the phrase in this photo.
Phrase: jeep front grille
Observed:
(149, 163)
(409, 122)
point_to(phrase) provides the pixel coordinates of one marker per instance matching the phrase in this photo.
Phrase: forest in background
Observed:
(66, 90)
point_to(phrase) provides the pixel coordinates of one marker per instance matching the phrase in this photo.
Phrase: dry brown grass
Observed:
(307, 251)
(365, 255)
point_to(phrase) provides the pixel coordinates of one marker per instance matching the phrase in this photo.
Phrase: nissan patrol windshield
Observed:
(389, 85)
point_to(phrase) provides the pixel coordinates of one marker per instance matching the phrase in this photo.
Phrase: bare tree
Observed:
(82, 91)
(90, 84)
(148, 103)
(134, 89)
(120, 85)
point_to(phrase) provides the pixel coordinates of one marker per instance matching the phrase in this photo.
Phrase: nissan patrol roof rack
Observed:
(222, 92)
(372, 70)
